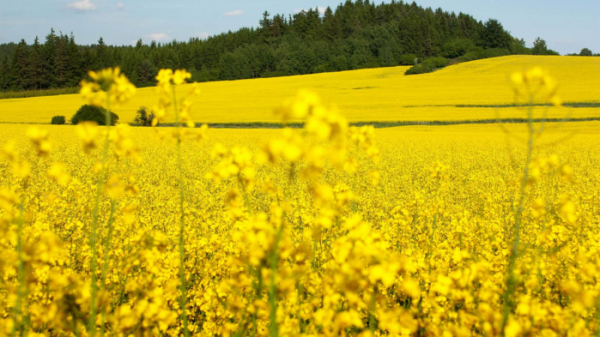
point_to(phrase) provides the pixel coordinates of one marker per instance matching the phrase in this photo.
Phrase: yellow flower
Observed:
(88, 133)
(40, 140)
(164, 77)
(21, 169)
(535, 85)
(513, 329)
(180, 77)
(8, 198)
(109, 84)
(114, 188)
(57, 172)
(9, 151)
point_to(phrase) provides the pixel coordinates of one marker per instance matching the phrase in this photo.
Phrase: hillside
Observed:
(354, 35)
(381, 94)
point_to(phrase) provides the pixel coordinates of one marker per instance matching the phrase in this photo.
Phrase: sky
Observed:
(567, 26)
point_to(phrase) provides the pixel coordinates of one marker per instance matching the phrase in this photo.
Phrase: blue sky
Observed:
(567, 26)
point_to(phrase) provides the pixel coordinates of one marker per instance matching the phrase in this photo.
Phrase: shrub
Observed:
(93, 114)
(414, 70)
(470, 56)
(58, 120)
(428, 66)
(438, 62)
(144, 117)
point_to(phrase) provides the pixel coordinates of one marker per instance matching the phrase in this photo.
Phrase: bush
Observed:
(58, 120)
(144, 117)
(470, 56)
(93, 114)
(428, 66)
(438, 62)
(414, 70)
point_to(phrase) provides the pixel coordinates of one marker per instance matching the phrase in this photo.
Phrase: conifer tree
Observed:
(21, 67)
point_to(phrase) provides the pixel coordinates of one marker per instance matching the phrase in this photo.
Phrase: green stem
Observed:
(273, 329)
(99, 183)
(21, 275)
(181, 221)
(511, 280)
(107, 251)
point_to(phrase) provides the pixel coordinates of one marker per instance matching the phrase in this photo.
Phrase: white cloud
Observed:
(234, 13)
(321, 10)
(83, 5)
(159, 37)
(120, 5)
(203, 36)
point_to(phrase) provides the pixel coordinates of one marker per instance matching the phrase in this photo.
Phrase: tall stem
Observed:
(511, 279)
(107, 252)
(21, 275)
(181, 220)
(99, 183)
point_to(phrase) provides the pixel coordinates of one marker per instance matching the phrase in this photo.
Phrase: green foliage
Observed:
(58, 120)
(268, 74)
(494, 35)
(585, 52)
(144, 117)
(517, 47)
(495, 52)
(438, 62)
(457, 47)
(478, 53)
(540, 48)
(428, 66)
(409, 59)
(93, 114)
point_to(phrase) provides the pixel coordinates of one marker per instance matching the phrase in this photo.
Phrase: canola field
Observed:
(382, 94)
(484, 230)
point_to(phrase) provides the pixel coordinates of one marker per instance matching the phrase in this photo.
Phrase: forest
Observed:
(357, 34)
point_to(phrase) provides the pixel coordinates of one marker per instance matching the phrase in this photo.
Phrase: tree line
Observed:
(357, 34)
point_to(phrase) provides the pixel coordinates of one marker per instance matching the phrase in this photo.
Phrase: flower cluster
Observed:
(107, 85)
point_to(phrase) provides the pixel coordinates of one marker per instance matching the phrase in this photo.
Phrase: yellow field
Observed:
(484, 230)
(424, 249)
(382, 94)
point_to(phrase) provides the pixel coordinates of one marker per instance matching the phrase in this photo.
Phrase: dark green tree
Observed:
(21, 67)
(49, 56)
(146, 73)
(266, 26)
(5, 71)
(62, 70)
(494, 35)
(75, 68)
(40, 77)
